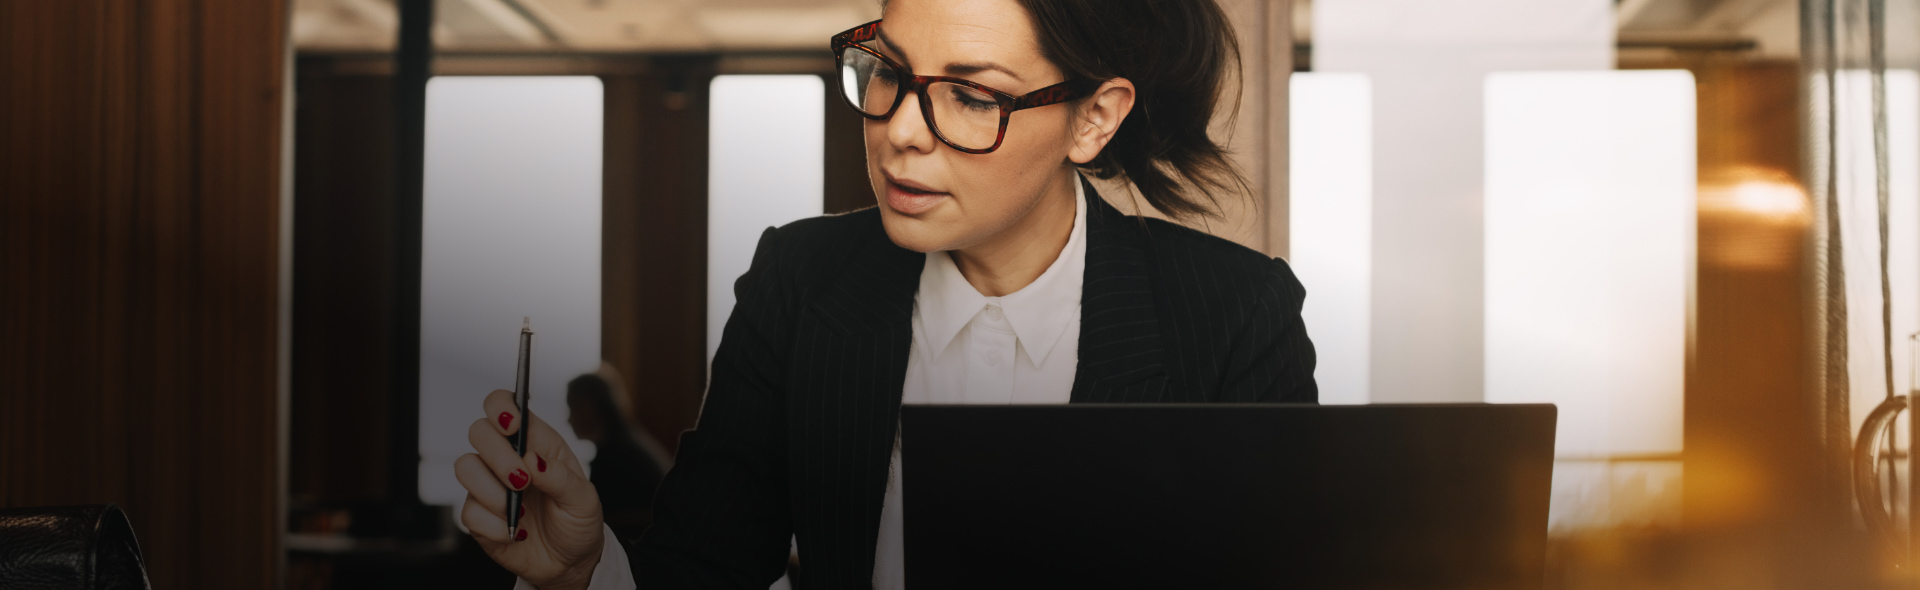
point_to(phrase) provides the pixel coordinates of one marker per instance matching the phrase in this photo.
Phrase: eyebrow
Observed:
(956, 69)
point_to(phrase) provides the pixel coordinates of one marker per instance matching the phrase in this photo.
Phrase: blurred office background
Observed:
(263, 259)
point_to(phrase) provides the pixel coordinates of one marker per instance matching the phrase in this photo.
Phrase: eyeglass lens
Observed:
(965, 117)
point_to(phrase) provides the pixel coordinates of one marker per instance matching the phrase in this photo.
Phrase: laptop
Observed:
(1440, 496)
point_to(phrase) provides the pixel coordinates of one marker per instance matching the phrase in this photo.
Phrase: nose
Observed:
(907, 129)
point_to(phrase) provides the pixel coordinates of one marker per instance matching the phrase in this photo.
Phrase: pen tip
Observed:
(512, 532)
(526, 322)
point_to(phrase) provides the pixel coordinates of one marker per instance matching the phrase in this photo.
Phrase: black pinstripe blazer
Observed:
(797, 430)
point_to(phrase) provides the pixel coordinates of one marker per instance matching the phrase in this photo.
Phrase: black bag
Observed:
(69, 548)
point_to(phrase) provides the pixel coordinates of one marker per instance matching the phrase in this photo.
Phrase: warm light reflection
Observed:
(1757, 216)
(1737, 483)
(1769, 200)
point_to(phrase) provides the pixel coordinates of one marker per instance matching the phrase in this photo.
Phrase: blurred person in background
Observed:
(628, 463)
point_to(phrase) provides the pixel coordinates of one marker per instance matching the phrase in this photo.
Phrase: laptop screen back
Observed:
(1226, 496)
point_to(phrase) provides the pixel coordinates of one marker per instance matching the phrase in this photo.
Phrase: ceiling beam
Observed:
(519, 7)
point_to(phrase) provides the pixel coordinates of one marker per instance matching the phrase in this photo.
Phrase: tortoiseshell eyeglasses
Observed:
(965, 115)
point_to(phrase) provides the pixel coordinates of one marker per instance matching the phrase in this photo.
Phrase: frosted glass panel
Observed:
(1330, 224)
(511, 228)
(1427, 62)
(765, 168)
(1590, 239)
(1590, 208)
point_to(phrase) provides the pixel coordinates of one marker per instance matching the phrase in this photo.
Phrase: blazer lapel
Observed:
(848, 368)
(1120, 346)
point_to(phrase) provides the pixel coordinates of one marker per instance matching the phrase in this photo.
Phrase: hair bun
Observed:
(1180, 56)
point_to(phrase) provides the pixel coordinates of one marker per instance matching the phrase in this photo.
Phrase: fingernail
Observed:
(518, 478)
(521, 536)
(523, 511)
(506, 420)
(540, 462)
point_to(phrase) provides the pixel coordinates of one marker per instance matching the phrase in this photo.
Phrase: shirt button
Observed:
(993, 358)
(994, 313)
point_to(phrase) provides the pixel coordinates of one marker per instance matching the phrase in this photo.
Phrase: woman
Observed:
(627, 465)
(989, 272)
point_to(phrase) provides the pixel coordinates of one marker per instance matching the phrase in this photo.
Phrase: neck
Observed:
(1013, 258)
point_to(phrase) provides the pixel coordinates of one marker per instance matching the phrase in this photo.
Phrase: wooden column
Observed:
(1258, 135)
(140, 232)
(653, 290)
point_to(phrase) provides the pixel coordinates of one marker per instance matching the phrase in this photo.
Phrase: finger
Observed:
(481, 485)
(483, 524)
(503, 412)
(557, 471)
(501, 459)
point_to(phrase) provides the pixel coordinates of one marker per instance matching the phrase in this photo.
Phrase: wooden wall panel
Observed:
(342, 286)
(844, 183)
(653, 287)
(139, 262)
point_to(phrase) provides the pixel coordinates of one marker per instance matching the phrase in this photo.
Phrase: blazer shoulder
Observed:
(833, 224)
(1181, 251)
(810, 245)
(793, 261)
(826, 232)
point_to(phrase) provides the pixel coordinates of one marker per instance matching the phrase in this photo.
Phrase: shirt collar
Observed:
(1038, 313)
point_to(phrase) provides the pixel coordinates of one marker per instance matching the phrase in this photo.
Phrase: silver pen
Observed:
(520, 393)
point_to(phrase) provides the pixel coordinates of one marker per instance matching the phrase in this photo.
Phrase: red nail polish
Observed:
(521, 536)
(540, 462)
(523, 511)
(518, 478)
(506, 420)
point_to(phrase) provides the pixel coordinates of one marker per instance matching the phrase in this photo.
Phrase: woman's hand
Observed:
(560, 524)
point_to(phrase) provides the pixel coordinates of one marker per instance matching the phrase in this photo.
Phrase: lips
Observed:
(907, 197)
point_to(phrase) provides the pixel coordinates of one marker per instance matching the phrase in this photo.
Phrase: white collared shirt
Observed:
(1021, 348)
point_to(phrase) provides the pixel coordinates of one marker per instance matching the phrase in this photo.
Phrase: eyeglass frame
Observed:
(1008, 103)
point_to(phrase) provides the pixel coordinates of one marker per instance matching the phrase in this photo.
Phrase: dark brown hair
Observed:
(1181, 56)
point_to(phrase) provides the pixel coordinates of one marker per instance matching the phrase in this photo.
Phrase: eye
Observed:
(885, 77)
(975, 100)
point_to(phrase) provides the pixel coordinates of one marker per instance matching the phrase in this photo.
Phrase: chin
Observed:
(918, 235)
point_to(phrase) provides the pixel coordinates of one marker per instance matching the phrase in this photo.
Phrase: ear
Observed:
(1099, 118)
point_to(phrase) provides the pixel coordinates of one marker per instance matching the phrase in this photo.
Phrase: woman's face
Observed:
(933, 197)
